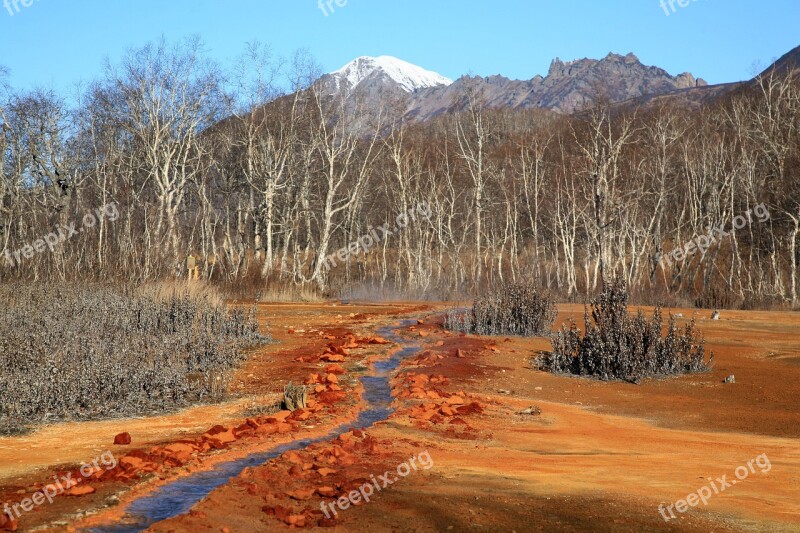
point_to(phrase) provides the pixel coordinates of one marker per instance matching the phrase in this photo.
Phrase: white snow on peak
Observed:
(409, 77)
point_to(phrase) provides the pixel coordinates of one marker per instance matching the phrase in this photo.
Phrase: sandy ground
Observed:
(593, 457)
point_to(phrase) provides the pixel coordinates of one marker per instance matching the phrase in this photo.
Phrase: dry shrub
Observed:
(295, 397)
(617, 345)
(71, 352)
(512, 309)
(164, 291)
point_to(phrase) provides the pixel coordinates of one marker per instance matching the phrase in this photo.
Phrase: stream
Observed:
(180, 496)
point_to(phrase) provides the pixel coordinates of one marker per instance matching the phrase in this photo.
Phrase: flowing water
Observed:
(180, 496)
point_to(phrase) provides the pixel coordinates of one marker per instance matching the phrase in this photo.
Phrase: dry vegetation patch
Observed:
(101, 351)
(618, 345)
(511, 309)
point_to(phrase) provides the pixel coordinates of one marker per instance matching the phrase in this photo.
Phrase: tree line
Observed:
(259, 175)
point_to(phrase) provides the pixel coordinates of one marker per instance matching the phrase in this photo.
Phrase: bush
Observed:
(513, 309)
(617, 345)
(98, 352)
(295, 397)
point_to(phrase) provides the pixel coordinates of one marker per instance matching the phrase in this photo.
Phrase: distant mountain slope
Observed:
(568, 86)
(789, 60)
(695, 97)
(388, 88)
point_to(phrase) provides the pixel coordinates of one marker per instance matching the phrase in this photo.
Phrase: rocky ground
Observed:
(479, 440)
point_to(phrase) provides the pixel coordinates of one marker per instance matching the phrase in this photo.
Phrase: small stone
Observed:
(123, 439)
(80, 491)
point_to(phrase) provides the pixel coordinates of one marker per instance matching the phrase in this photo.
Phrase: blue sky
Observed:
(55, 43)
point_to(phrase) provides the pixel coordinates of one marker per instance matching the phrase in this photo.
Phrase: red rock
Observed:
(332, 358)
(378, 340)
(327, 522)
(267, 429)
(455, 400)
(347, 460)
(331, 397)
(290, 331)
(331, 378)
(341, 350)
(419, 379)
(244, 428)
(460, 354)
(284, 428)
(296, 471)
(131, 463)
(296, 520)
(293, 457)
(472, 408)
(420, 321)
(278, 417)
(335, 369)
(220, 440)
(123, 439)
(351, 342)
(252, 423)
(302, 416)
(439, 344)
(325, 472)
(83, 490)
(8, 523)
(179, 447)
(327, 492)
(301, 494)
(279, 512)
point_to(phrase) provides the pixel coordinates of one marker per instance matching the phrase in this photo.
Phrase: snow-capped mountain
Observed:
(385, 89)
(368, 70)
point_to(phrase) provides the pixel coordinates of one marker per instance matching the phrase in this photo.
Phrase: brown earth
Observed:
(588, 456)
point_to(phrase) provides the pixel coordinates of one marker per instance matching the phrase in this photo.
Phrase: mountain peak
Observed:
(409, 77)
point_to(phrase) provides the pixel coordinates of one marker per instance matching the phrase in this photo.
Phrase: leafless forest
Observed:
(261, 176)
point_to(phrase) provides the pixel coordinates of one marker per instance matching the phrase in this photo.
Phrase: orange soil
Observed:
(29, 462)
(599, 457)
